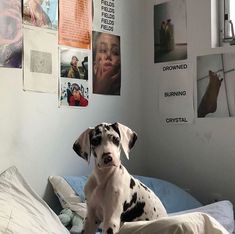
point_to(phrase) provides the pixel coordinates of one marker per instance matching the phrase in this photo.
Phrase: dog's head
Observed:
(105, 142)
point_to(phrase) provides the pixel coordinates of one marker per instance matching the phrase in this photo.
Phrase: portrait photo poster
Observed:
(106, 64)
(75, 23)
(11, 37)
(74, 77)
(40, 60)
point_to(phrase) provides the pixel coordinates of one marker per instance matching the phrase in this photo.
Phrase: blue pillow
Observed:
(173, 198)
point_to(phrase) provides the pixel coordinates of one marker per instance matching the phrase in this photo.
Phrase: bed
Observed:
(23, 211)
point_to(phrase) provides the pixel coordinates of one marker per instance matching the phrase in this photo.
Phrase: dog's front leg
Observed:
(91, 223)
(112, 214)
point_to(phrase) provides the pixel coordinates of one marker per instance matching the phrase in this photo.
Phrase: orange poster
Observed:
(75, 20)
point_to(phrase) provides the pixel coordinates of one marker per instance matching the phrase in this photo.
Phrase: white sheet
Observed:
(22, 211)
(191, 223)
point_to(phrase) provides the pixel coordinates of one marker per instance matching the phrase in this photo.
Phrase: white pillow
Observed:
(22, 210)
(67, 196)
(222, 211)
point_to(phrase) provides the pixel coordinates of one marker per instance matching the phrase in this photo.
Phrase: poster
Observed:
(11, 39)
(176, 94)
(170, 32)
(106, 64)
(41, 13)
(216, 85)
(75, 23)
(107, 16)
(40, 60)
(74, 86)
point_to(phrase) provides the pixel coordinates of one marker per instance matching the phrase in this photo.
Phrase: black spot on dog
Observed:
(133, 140)
(154, 209)
(120, 166)
(147, 219)
(115, 128)
(133, 213)
(110, 231)
(127, 205)
(96, 140)
(107, 127)
(95, 155)
(144, 187)
(132, 183)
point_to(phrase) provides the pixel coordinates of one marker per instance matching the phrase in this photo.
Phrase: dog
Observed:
(113, 196)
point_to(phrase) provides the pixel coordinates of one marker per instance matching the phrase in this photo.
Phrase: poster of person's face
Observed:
(170, 31)
(74, 93)
(74, 63)
(216, 85)
(11, 39)
(41, 13)
(106, 63)
(222, 23)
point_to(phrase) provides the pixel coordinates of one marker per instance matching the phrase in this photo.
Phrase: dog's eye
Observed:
(95, 141)
(116, 140)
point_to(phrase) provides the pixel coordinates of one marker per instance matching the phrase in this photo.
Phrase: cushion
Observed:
(22, 210)
(174, 198)
(67, 196)
(192, 223)
(222, 211)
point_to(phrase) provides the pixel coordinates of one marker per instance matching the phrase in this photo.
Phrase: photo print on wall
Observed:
(170, 31)
(11, 36)
(216, 85)
(41, 13)
(74, 90)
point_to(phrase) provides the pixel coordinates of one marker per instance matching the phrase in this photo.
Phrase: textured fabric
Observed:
(222, 211)
(192, 223)
(22, 210)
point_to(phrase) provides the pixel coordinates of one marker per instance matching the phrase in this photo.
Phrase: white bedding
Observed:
(22, 211)
(191, 223)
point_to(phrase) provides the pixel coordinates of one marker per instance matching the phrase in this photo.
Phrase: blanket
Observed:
(191, 223)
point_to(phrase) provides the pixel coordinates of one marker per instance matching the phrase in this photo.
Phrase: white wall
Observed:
(37, 136)
(198, 156)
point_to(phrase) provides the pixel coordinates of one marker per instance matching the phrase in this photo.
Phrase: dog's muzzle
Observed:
(107, 158)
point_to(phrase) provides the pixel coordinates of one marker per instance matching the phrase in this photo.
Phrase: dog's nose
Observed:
(107, 159)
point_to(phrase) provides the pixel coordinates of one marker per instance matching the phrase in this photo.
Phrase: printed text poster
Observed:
(75, 23)
(107, 16)
(176, 94)
(10, 34)
(40, 60)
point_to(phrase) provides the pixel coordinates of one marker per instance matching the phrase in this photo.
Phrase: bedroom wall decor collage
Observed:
(51, 41)
(68, 44)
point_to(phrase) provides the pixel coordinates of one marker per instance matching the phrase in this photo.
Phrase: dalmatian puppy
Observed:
(113, 195)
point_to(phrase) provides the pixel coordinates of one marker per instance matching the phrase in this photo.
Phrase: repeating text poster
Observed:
(176, 94)
(75, 25)
(106, 16)
(10, 34)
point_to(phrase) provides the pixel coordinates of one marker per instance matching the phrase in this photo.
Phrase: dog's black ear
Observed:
(82, 145)
(128, 137)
